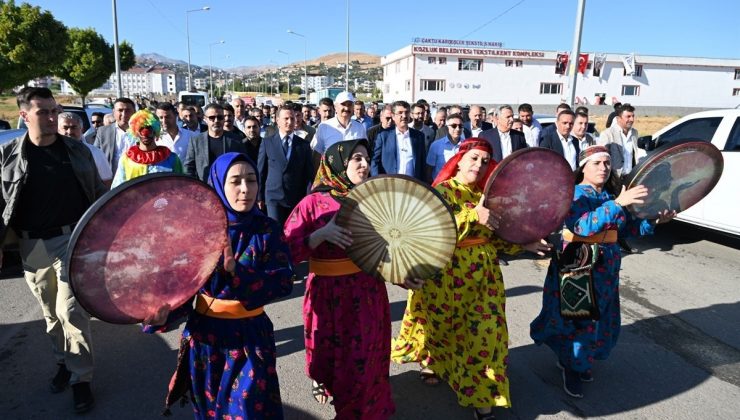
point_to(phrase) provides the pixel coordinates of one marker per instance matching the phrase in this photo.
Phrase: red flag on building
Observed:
(582, 63)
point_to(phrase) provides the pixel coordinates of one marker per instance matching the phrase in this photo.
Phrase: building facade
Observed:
(475, 72)
(316, 82)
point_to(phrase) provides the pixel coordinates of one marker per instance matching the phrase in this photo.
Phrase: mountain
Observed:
(154, 58)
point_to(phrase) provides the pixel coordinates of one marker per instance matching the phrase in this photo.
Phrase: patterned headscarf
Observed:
(217, 179)
(591, 153)
(332, 174)
(142, 119)
(450, 169)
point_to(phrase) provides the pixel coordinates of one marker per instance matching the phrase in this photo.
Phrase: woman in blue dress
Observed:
(227, 352)
(595, 217)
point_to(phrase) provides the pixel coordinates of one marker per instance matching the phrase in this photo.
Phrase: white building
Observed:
(200, 83)
(316, 82)
(476, 72)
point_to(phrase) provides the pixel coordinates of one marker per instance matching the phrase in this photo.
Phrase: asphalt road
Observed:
(678, 356)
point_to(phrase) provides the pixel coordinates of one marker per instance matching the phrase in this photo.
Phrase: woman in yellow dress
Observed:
(455, 326)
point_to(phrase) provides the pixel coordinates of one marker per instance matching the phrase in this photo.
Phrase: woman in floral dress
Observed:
(455, 326)
(595, 217)
(345, 311)
(227, 352)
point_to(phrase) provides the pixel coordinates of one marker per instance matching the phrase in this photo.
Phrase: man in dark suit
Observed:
(477, 123)
(400, 150)
(205, 147)
(551, 129)
(285, 167)
(503, 139)
(560, 139)
(112, 139)
(386, 122)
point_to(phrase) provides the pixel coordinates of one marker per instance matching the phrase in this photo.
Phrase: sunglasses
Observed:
(454, 126)
(215, 117)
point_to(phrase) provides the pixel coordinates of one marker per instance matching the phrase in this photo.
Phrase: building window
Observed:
(736, 92)
(737, 74)
(469, 64)
(432, 60)
(630, 90)
(638, 71)
(398, 66)
(432, 85)
(408, 85)
(509, 63)
(442, 60)
(519, 63)
(386, 88)
(551, 88)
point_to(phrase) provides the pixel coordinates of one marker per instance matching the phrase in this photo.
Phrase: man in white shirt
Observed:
(240, 114)
(560, 139)
(580, 131)
(172, 136)
(621, 140)
(340, 127)
(399, 150)
(112, 139)
(530, 127)
(504, 141)
(70, 124)
(477, 124)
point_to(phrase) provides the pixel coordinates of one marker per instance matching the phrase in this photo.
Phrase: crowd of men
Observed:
(285, 141)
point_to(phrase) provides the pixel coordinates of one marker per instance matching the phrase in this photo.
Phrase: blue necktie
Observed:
(285, 146)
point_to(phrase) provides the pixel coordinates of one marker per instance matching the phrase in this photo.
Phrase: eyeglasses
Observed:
(454, 126)
(96, 122)
(215, 117)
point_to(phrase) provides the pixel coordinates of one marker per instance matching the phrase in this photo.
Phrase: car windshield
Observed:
(194, 100)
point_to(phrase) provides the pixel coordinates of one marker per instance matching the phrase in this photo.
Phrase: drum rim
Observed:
(505, 161)
(662, 152)
(428, 187)
(97, 205)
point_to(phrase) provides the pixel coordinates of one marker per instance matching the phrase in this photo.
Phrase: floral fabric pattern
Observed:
(346, 319)
(456, 324)
(577, 343)
(232, 361)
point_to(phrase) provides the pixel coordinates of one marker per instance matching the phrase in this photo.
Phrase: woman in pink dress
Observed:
(345, 311)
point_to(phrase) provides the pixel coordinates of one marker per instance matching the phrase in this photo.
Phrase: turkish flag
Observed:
(582, 63)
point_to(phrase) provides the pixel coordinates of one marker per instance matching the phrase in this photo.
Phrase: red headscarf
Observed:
(450, 169)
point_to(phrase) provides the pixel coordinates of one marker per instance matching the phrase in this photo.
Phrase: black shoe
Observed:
(83, 397)
(572, 383)
(481, 416)
(626, 247)
(61, 379)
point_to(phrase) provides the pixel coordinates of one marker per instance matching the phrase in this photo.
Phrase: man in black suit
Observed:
(551, 129)
(205, 147)
(386, 122)
(400, 150)
(560, 139)
(285, 167)
(503, 139)
(442, 130)
(477, 123)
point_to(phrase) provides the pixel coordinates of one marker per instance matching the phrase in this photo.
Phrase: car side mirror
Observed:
(646, 143)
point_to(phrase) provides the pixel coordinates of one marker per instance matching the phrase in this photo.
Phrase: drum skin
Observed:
(677, 176)
(153, 240)
(532, 190)
(400, 228)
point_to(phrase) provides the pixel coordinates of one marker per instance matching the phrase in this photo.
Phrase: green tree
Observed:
(90, 60)
(31, 43)
(128, 58)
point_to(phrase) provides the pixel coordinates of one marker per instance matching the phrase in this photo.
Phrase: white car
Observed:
(720, 209)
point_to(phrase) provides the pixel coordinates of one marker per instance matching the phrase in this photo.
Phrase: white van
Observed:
(193, 98)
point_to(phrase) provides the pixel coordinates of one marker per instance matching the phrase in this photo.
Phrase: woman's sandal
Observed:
(428, 377)
(319, 393)
(483, 416)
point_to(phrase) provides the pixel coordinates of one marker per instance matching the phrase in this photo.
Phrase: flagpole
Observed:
(576, 52)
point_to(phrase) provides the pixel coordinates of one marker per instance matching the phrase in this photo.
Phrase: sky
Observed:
(253, 31)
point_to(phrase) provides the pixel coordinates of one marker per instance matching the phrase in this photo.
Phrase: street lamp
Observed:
(210, 59)
(187, 30)
(287, 71)
(346, 74)
(305, 60)
(272, 77)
